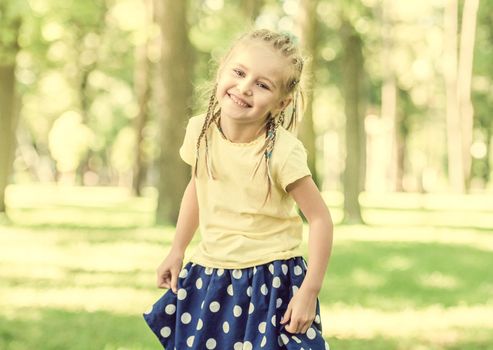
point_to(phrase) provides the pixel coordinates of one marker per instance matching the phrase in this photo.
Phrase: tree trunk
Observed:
(9, 110)
(402, 134)
(454, 135)
(175, 109)
(143, 93)
(468, 33)
(251, 9)
(389, 101)
(353, 76)
(308, 24)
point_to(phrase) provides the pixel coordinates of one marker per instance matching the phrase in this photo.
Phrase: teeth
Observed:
(238, 102)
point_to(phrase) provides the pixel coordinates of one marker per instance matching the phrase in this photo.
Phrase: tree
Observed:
(10, 23)
(175, 106)
(466, 54)
(142, 87)
(353, 83)
(458, 74)
(308, 24)
(389, 101)
(251, 8)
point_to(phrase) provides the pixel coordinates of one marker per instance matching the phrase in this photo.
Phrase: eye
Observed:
(239, 72)
(263, 86)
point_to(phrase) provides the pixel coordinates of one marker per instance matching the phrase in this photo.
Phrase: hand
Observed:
(301, 311)
(168, 271)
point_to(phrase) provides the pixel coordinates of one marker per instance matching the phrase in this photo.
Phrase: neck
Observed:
(238, 133)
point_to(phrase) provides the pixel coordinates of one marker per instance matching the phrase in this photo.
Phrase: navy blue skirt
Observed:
(237, 309)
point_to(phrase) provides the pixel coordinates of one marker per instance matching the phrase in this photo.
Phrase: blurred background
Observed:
(94, 100)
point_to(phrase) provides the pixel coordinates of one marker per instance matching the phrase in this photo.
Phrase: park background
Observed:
(94, 101)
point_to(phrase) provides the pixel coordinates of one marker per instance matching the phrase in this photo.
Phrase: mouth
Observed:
(240, 102)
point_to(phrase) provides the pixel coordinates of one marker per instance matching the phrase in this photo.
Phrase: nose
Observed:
(244, 87)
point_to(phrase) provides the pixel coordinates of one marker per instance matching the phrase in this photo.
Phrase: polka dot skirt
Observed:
(237, 309)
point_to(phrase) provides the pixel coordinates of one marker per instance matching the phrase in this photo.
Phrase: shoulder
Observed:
(194, 126)
(287, 142)
(196, 121)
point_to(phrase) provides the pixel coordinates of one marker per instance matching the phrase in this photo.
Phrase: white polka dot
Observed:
(190, 341)
(261, 327)
(310, 333)
(200, 324)
(263, 289)
(198, 283)
(317, 319)
(284, 268)
(237, 311)
(220, 272)
(210, 344)
(279, 341)
(214, 306)
(208, 270)
(251, 308)
(278, 303)
(226, 327)
(273, 320)
(183, 273)
(276, 282)
(247, 346)
(186, 318)
(296, 339)
(165, 332)
(238, 346)
(149, 310)
(297, 270)
(264, 341)
(237, 274)
(284, 339)
(271, 268)
(182, 294)
(295, 289)
(230, 289)
(170, 309)
(249, 291)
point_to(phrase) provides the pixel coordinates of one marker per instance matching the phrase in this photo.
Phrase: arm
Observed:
(186, 226)
(188, 219)
(307, 196)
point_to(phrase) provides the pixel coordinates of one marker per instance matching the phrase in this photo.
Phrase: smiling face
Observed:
(249, 83)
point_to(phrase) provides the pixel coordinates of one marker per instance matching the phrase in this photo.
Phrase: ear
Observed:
(285, 102)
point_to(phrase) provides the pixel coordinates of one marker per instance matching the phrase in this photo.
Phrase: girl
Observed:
(247, 285)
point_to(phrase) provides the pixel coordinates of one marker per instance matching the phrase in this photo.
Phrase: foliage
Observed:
(78, 57)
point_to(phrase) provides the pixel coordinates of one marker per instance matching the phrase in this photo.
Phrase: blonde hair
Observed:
(285, 44)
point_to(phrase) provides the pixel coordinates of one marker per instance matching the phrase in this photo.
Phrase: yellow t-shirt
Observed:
(236, 230)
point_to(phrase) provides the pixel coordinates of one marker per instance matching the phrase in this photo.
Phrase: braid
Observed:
(209, 118)
(283, 43)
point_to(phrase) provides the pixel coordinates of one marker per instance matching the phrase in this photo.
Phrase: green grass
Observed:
(77, 270)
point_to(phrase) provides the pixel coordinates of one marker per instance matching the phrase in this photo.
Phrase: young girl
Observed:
(246, 286)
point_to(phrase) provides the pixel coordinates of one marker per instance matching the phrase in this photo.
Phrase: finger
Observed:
(292, 327)
(174, 281)
(164, 284)
(162, 280)
(287, 316)
(304, 328)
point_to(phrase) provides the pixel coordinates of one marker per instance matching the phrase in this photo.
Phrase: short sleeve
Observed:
(295, 167)
(188, 148)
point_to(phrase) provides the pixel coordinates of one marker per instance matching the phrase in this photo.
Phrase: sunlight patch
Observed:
(437, 279)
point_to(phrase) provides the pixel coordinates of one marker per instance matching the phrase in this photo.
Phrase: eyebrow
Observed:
(262, 77)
